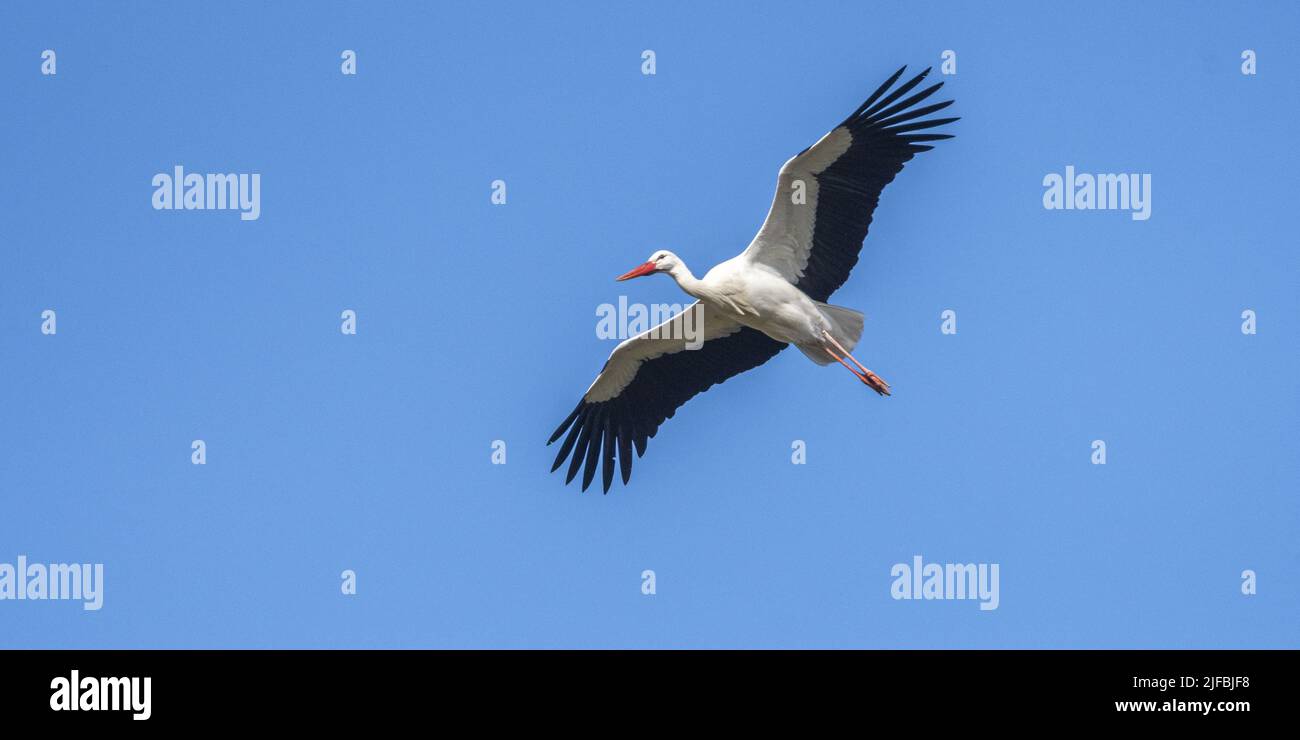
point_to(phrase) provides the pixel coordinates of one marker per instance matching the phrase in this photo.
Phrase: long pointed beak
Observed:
(645, 269)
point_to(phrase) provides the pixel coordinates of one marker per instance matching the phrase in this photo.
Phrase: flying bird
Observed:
(773, 294)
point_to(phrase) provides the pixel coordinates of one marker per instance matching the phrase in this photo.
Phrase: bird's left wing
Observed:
(645, 380)
(826, 194)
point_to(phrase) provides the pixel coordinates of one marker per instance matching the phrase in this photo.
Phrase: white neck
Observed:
(687, 281)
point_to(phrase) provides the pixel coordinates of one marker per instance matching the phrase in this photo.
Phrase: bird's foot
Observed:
(875, 383)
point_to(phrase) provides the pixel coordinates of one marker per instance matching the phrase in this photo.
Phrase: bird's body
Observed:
(754, 295)
(773, 294)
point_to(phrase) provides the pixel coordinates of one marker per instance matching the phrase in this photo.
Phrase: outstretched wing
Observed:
(814, 241)
(644, 382)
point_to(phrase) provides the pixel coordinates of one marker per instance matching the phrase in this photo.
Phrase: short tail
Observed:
(846, 327)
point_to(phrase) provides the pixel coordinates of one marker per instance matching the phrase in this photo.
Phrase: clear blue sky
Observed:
(476, 322)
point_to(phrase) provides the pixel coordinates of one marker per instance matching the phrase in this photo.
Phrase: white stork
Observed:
(768, 296)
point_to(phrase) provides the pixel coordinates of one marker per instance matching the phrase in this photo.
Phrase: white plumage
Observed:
(770, 295)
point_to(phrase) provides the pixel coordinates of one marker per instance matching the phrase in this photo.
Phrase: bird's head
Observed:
(660, 261)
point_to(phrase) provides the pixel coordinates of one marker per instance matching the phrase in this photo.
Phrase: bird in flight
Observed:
(773, 294)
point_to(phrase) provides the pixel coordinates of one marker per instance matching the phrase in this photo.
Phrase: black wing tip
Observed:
(573, 472)
(894, 118)
(601, 432)
(564, 425)
(921, 125)
(915, 80)
(873, 97)
(593, 445)
(870, 112)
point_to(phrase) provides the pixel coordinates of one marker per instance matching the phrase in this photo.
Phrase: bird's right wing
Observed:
(644, 382)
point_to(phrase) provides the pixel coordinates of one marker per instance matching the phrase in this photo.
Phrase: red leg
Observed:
(875, 382)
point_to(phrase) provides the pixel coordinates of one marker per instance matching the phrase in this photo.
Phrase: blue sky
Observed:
(476, 323)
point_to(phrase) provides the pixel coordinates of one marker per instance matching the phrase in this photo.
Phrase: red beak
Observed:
(645, 269)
